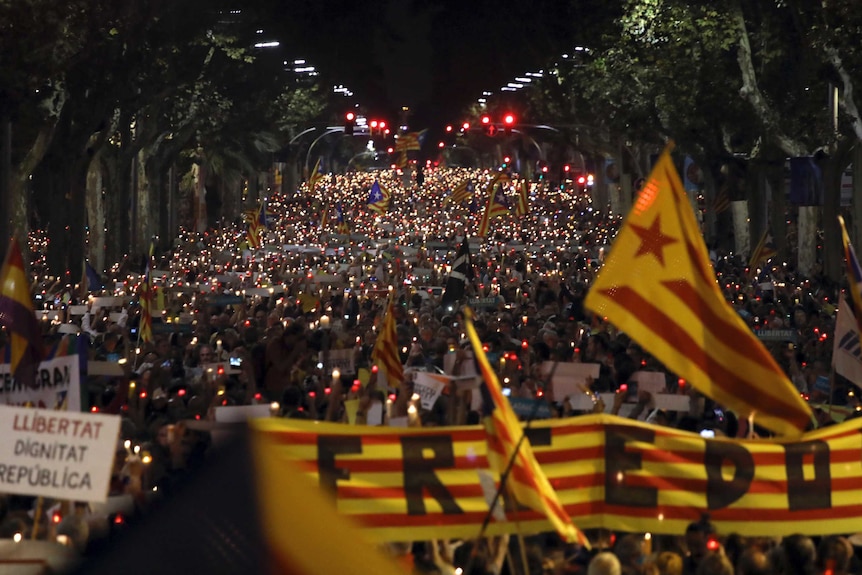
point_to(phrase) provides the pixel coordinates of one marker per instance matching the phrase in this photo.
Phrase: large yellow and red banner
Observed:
(414, 484)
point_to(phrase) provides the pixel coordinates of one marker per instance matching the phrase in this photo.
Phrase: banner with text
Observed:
(416, 484)
(58, 381)
(56, 453)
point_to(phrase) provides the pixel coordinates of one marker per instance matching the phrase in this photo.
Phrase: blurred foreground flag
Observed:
(246, 510)
(17, 316)
(304, 533)
(658, 286)
(525, 480)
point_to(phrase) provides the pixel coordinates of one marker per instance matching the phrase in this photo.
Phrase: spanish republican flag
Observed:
(19, 319)
(658, 286)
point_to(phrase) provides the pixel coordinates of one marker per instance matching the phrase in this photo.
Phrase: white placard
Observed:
(468, 366)
(343, 359)
(666, 401)
(241, 413)
(569, 379)
(77, 309)
(57, 453)
(58, 380)
(429, 386)
(108, 301)
(374, 415)
(651, 381)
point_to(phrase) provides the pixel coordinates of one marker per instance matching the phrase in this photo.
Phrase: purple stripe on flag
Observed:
(18, 319)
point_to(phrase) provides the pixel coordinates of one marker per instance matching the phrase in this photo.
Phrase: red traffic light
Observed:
(544, 169)
(449, 128)
(566, 168)
(486, 119)
(582, 180)
(465, 126)
(507, 159)
(381, 124)
(349, 116)
(509, 119)
(373, 123)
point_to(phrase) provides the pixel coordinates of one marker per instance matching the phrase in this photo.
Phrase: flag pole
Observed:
(504, 477)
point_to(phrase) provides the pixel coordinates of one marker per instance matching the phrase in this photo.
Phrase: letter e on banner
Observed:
(618, 461)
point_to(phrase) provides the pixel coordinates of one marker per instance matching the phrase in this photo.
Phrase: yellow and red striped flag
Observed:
(385, 353)
(379, 198)
(762, 252)
(526, 481)
(523, 206)
(460, 193)
(324, 217)
(19, 318)
(410, 141)
(497, 206)
(315, 176)
(658, 286)
(145, 328)
(252, 218)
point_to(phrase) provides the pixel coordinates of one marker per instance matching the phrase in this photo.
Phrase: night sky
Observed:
(435, 56)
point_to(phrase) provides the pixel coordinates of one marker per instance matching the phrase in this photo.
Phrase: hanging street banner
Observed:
(57, 453)
(413, 484)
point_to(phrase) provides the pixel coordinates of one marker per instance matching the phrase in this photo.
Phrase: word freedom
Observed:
(607, 472)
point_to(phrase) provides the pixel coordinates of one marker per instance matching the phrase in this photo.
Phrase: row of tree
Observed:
(740, 86)
(115, 117)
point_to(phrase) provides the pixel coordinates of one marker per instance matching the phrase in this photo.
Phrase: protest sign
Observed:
(569, 379)
(651, 381)
(57, 453)
(343, 359)
(57, 381)
(429, 386)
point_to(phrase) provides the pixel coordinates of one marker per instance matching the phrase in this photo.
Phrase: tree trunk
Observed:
(741, 237)
(145, 226)
(755, 184)
(806, 231)
(832, 254)
(95, 202)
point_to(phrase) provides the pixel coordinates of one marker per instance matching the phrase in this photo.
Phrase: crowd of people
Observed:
(254, 327)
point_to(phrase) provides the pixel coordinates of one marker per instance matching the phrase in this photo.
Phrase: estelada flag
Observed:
(19, 318)
(658, 286)
(509, 452)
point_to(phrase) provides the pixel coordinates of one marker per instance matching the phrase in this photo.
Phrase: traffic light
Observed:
(349, 123)
(508, 123)
(506, 161)
(486, 120)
